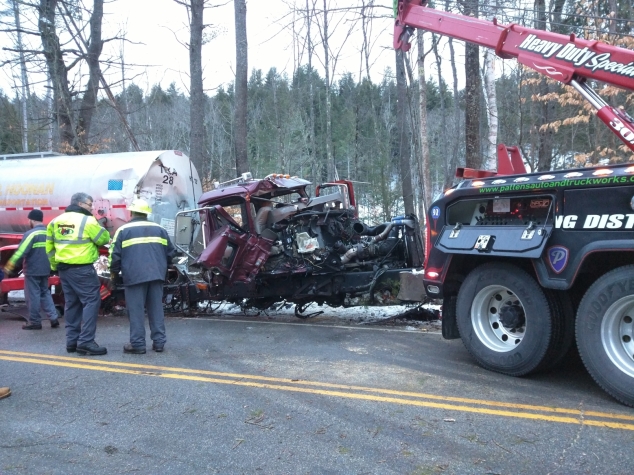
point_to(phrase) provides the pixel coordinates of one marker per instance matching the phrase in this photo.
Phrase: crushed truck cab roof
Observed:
(269, 187)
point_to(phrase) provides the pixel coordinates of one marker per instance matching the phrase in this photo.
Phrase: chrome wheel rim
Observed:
(617, 334)
(498, 318)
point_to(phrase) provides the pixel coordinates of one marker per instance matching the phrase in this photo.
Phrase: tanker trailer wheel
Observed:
(504, 319)
(605, 333)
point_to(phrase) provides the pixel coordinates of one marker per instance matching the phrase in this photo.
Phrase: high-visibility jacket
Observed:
(141, 250)
(73, 238)
(32, 249)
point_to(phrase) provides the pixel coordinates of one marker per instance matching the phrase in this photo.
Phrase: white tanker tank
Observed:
(167, 180)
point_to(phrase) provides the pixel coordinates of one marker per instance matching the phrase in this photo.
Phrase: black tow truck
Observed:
(527, 264)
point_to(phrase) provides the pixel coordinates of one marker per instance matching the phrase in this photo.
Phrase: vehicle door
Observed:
(234, 250)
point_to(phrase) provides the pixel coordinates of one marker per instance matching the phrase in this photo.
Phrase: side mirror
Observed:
(184, 231)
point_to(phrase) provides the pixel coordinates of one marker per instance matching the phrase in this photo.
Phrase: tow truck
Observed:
(526, 264)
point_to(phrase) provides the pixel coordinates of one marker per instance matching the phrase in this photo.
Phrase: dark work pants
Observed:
(81, 293)
(38, 297)
(148, 295)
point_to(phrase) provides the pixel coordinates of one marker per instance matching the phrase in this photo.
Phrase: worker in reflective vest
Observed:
(72, 241)
(141, 251)
(36, 269)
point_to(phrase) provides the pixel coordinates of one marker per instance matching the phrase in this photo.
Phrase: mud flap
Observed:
(449, 324)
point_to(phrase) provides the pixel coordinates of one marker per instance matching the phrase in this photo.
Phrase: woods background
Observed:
(399, 137)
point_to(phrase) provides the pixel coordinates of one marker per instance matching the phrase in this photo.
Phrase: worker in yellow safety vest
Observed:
(72, 241)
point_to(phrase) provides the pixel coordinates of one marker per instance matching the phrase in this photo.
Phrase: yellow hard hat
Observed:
(139, 206)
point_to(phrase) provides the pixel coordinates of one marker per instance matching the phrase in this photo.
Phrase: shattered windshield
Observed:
(233, 216)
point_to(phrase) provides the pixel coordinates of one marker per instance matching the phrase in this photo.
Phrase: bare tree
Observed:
(90, 50)
(240, 113)
(545, 133)
(58, 72)
(316, 164)
(195, 9)
(330, 161)
(424, 163)
(329, 61)
(491, 97)
(25, 84)
(473, 94)
(403, 147)
(453, 160)
(73, 121)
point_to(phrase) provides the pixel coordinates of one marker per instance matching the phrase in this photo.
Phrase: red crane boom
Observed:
(564, 58)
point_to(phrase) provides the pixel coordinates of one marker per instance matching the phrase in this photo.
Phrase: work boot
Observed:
(54, 323)
(128, 348)
(4, 392)
(91, 348)
(32, 326)
(71, 348)
(158, 347)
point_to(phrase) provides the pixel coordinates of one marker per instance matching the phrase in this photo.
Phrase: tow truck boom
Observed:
(564, 58)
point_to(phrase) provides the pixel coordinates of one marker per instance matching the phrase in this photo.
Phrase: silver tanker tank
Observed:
(167, 180)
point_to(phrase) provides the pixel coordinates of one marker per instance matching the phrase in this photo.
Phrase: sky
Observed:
(157, 30)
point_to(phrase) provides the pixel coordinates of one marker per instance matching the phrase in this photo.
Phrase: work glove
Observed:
(8, 269)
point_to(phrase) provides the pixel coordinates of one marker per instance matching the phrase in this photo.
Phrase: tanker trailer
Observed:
(167, 180)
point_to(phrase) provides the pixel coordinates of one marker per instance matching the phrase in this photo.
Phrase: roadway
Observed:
(268, 396)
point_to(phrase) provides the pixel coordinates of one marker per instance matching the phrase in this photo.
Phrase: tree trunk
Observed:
(453, 164)
(473, 91)
(545, 146)
(613, 10)
(25, 84)
(312, 152)
(58, 73)
(240, 114)
(424, 165)
(49, 114)
(403, 137)
(89, 100)
(491, 99)
(332, 171)
(196, 93)
(74, 138)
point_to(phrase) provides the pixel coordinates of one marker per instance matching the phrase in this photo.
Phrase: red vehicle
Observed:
(528, 263)
(267, 241)
(8, 245)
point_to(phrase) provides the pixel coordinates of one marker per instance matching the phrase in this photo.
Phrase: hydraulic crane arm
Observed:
(564, 58)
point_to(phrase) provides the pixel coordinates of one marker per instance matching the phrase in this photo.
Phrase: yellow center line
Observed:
(296, 386)
(506, 405)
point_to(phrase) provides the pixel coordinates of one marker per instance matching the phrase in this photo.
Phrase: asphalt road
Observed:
(263, 396)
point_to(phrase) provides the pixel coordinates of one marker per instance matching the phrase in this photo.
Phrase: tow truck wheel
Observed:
(504, 319)
(563, 321)
(605, 333)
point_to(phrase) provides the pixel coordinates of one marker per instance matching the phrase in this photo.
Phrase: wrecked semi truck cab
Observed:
(266, 241)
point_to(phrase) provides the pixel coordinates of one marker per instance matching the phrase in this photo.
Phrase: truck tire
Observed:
(563, 319)
(605, 333)
(504, 319)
